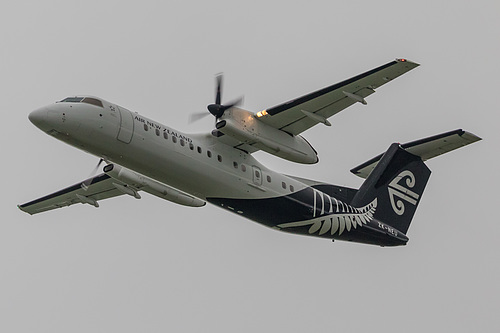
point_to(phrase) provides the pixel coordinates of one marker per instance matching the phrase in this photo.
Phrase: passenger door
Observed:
(126, 130)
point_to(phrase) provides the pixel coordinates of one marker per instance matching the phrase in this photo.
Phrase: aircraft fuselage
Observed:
(218, 173)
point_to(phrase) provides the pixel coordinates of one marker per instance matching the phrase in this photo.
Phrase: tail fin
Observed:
(398, 181)
(399, 176)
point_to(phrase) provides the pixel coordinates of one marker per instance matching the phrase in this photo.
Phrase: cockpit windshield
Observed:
(88, 100)
(72, 100)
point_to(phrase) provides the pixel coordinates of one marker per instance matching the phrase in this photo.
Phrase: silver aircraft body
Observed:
(142, 154)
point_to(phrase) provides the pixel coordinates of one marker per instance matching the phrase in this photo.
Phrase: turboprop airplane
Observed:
(218, 167)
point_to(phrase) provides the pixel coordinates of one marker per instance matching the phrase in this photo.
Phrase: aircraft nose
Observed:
(39, 118)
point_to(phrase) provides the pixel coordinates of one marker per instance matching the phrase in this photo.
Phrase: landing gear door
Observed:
(257, 175)
(126, 125)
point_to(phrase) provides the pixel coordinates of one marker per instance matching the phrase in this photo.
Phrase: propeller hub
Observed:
(216, 109)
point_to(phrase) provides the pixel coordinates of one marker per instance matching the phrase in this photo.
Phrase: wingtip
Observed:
(471, 136)
(407, 61)
(22, 210)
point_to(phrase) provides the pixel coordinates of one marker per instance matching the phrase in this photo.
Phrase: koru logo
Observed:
(397, 190)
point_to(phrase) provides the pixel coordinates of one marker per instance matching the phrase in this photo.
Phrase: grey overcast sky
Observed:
(153, 266)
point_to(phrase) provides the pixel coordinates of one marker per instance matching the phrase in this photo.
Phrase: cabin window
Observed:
(183, 142)
(145, 127)
(243, 168)
(198, 149)
(191, 146)
(209, 153)
(283, 184)
(235, 164)
(219, 158)
(165, 135)
(291, 188)
(157, 131)
(268, 178)
(174, 139)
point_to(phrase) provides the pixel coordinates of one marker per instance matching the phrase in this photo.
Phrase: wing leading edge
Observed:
(302, 113)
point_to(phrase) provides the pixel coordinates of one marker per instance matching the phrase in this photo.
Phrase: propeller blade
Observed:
(97, 166)
(218, 91)
(85, 184)
(193, 117)
(233, 103)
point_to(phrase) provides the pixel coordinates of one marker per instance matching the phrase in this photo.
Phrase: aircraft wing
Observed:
(425, 148)
(116, 181)
(97, 188)
(300, 114)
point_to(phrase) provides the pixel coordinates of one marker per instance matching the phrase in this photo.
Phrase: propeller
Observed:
(197, 116)
(85, 184)
(217, 109)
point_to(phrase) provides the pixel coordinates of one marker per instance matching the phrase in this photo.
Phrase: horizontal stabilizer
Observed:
(425, 148)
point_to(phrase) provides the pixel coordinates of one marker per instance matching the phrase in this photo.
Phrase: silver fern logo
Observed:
(396, 190)
(343, 219)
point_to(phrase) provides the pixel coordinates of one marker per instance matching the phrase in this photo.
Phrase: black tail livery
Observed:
(397, 182)
(397, 179)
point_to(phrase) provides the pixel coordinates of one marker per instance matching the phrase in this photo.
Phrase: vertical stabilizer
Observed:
(398, 181)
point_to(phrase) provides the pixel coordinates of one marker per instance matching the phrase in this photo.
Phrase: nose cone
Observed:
(39, 118)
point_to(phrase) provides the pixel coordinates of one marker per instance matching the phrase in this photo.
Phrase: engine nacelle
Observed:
(245, 127)
(149, 185)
